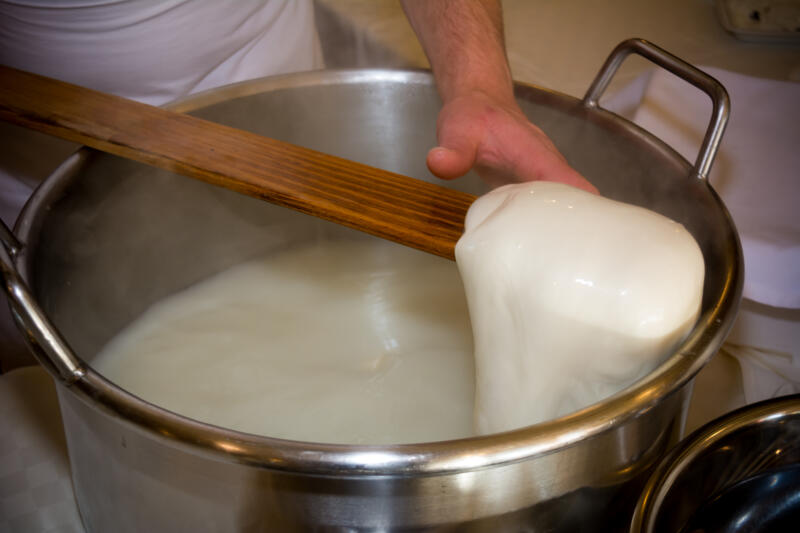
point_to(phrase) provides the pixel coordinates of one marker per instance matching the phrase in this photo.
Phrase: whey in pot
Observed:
(572, 298)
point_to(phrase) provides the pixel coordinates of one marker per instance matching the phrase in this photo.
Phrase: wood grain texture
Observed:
(395, 207)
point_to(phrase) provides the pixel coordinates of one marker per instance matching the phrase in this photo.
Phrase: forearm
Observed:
(464, 42)
(480, 125)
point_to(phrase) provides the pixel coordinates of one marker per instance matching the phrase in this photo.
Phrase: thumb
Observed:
(448, 163)
(456, 153)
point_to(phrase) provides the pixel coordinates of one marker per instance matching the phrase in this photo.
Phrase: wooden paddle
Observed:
(395, 207)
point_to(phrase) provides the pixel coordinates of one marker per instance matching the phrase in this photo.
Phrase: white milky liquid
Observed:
(339, 342)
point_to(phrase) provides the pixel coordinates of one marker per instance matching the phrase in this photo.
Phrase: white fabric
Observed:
(36, 493)
(765, 374)
(156, 51)
(757, 175)
(766, 343)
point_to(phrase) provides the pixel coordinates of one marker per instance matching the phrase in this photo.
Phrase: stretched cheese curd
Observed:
(572, 298)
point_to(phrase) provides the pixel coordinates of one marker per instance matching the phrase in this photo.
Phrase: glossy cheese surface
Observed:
(572, 297)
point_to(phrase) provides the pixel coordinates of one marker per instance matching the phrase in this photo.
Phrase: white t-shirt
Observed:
(153, 51)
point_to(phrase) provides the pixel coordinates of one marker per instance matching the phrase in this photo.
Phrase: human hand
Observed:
(493, 136)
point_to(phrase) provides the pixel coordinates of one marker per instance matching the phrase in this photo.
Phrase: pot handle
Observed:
(685, 71)
(54, 353)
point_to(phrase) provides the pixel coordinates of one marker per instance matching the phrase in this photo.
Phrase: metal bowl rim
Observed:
(703, 439)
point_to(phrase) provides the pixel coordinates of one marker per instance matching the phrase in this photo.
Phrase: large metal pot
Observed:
(103, 238)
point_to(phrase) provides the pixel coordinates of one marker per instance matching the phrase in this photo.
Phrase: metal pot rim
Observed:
(405, 459)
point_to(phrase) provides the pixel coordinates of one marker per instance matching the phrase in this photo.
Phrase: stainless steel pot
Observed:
(740, 472)
(103, 238)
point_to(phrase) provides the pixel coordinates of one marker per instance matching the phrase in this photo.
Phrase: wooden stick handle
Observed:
(395, 207)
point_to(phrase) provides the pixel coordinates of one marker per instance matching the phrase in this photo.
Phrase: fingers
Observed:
(546, 164)
(574, 179)
(500, 143)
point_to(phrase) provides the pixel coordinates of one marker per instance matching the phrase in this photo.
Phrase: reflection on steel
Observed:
(37, 327)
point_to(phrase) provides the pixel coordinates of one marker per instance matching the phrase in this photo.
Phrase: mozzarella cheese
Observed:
(572, 297)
